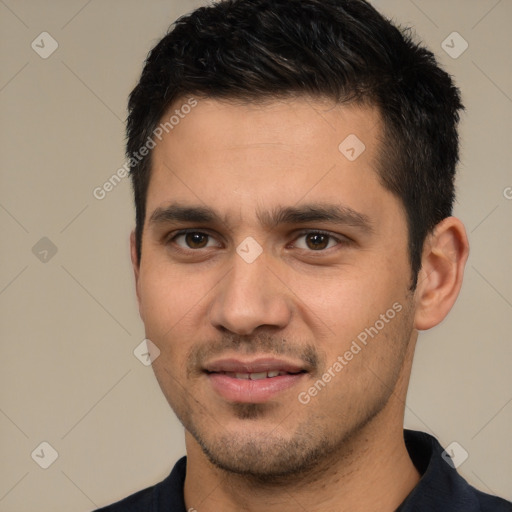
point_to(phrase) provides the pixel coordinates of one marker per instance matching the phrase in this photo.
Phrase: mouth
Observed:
(256, 375)
(254, 381)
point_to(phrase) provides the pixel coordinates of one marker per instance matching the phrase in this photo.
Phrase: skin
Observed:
(304, 298)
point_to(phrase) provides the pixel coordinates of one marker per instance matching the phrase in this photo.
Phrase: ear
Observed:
(135, 266)
(444, 257)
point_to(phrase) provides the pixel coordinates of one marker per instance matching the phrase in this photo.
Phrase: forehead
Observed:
(301, 124)
(245, 157)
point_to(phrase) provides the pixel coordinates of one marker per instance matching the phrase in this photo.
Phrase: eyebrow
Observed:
(307, 213)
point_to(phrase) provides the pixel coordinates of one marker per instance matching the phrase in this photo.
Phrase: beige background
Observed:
(70, 324)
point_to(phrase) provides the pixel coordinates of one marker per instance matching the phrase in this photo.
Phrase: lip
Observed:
(220, 374)
(261, 364)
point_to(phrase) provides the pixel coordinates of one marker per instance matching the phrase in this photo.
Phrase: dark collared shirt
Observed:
(441, 488)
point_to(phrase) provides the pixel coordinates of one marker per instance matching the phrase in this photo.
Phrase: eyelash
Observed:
(341, 240)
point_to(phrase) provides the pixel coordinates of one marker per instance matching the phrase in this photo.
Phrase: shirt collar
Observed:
(440, 488)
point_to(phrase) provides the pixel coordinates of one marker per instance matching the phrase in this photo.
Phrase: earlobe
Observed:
(444, 257)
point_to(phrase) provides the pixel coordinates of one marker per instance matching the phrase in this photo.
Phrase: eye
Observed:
(316, 241)
(310, 240)
(194, 240)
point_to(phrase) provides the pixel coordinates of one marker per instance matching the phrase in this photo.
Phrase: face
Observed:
(274, 280)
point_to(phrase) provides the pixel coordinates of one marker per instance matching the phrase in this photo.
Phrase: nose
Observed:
(249, 297)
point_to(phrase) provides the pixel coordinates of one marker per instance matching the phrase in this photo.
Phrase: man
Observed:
(293, 167)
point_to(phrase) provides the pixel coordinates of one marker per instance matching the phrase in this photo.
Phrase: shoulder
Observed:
(441, 487)
(166, 495)
(139, 502)
(489, 503)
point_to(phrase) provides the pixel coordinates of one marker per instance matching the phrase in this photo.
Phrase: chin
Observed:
(265, 455)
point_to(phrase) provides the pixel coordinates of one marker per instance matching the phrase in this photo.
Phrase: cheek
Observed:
(164, 313)
(164, 299)
(342, 298)
(345, 304)
(174, 305)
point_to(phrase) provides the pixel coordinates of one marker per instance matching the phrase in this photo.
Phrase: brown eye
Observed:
(316, 241)
(196, 240)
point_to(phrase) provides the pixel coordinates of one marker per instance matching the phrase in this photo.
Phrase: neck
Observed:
(373, 473)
